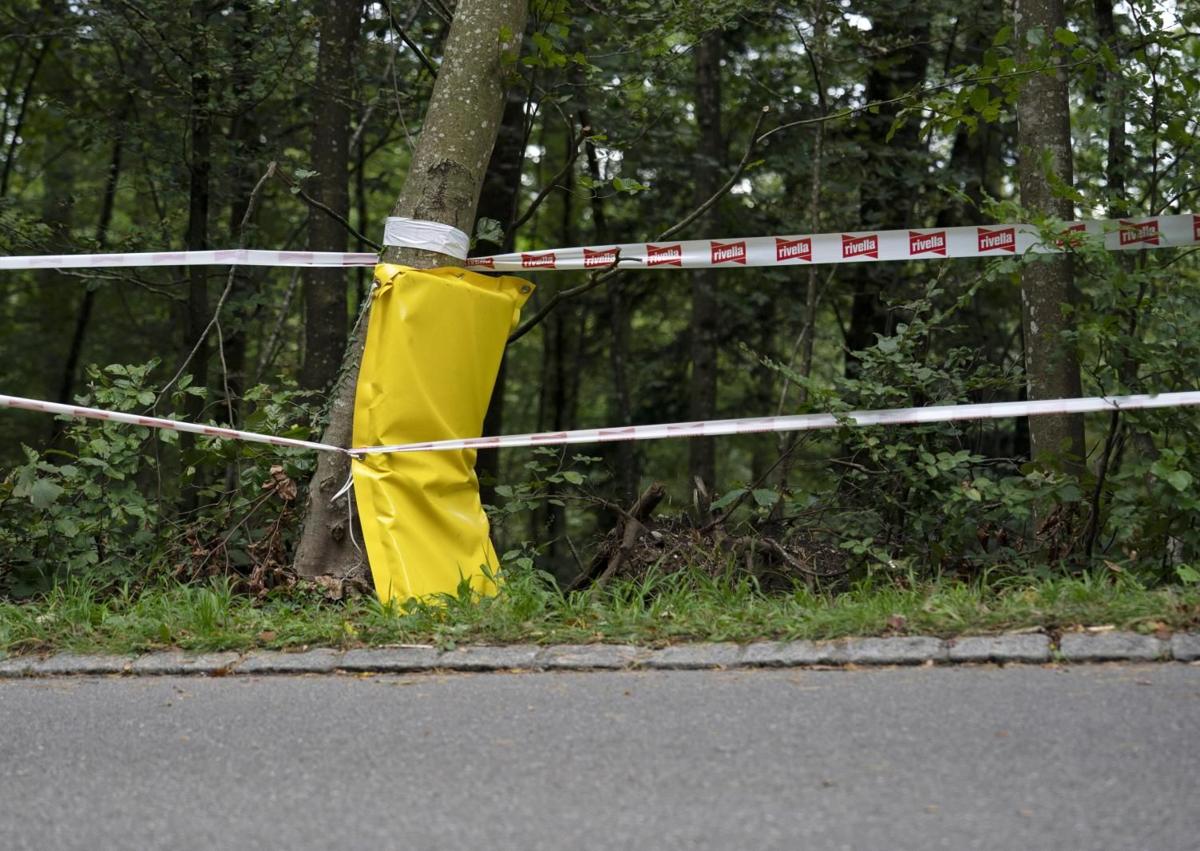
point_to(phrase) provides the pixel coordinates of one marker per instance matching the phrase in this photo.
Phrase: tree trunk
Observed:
(710, 159)
(498, 201)
(1044, 143)
(325, 303)
(443, 185)
(243, 172)
(887, 193)
(196, 313)
(83, 317)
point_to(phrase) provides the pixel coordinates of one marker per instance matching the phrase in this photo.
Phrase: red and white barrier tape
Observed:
(160, 423)
(803, 422)
(792, 250)
(227, 257)
(710, 428)
(850, 247)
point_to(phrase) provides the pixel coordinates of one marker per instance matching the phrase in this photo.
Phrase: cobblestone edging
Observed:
(1024, 648)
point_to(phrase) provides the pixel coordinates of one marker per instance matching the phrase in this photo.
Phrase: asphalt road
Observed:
(1101, 757)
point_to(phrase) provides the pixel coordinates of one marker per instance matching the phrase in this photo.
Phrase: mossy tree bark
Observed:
(1047, 285)
(443, 185)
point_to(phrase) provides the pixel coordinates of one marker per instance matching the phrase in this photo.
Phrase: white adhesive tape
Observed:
(225, 257)
(400, 232)
(79, 412)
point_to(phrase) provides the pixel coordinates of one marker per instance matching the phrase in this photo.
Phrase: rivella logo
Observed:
(664, 255)
(926, 243)
(1073, 236)
(860, 246)
(482, 262)
(1000, 239)
(1133, 233)
(538, 261)
(728, 252)
(592, 259)
(793, 249)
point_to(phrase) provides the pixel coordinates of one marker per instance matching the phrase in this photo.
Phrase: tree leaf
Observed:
(44, 493)
(1181, 480)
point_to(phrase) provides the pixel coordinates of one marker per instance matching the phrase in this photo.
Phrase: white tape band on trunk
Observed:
(400, 232)
(851, 246)
(227, 257)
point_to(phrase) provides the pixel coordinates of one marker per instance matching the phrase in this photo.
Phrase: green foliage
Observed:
(100, 506)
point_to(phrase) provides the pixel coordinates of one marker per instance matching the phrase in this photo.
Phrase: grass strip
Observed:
(655, 611)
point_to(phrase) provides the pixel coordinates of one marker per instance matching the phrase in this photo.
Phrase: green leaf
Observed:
(1065, 37)
(573, 477)
(1181, 480)
(765, 497)
(1187, 574)
(489, 230)
(44, 493)
(728, 499)
(1001, 38)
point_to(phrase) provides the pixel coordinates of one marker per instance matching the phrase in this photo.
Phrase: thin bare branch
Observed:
(298, 190)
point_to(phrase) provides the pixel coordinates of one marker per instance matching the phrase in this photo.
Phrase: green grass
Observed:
(659, 610)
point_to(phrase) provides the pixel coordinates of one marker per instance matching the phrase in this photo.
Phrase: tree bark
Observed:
(890, 183)
(243, 173)
(196, 311)
(83, 317)
(498, 201)
(325, 301)
(443, 185)
(710, 160)
(1047, 285)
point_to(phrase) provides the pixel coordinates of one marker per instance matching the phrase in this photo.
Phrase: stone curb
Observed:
(1021, 648)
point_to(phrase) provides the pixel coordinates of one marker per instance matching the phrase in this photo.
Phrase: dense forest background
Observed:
(145, 125)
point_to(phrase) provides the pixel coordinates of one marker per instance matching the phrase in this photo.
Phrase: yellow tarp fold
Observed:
(433, 349)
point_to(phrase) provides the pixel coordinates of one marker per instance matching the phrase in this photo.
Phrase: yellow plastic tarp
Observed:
(433, 349)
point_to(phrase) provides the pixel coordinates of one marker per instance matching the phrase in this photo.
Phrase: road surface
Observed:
(1087, 757)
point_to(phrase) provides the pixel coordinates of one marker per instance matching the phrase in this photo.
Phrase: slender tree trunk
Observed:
(325, 302)
(498, 201)
(443, 185)
(196, 311)
(1047, 286)
(107, 204)
(624, 453)
(887, 193)
(243, 173)
(710, 159)
(14, 133)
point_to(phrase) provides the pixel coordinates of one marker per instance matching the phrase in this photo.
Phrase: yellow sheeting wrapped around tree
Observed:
(432, 353)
